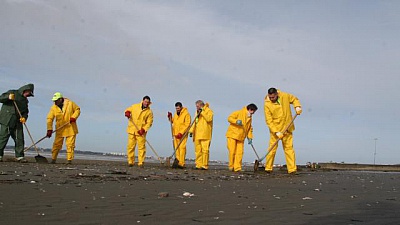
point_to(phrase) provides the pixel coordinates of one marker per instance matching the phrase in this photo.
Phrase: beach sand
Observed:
(109, 192)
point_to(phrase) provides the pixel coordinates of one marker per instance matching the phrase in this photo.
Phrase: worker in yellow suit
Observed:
(140, 119)
(65, 112)
(180, 125)
(278, 116)
(240, 127)
(202, 134)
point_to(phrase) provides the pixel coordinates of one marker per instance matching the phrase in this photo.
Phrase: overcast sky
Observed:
(340, 58)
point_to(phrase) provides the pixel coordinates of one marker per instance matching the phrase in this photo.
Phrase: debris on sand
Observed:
(187, 194)
(163, 195)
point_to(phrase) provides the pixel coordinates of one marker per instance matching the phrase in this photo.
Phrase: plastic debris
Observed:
(187, 194)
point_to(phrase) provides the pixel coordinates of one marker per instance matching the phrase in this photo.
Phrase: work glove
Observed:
(199, 111)
(170, 116)
(11, 96)
(239, 122)
(128, 114)
(190, 134)
(178, 136)
(279, 135)
(141, 132)
(72, 120)
(298, 110)
(49, 133)
(249, 141)
(22, 120)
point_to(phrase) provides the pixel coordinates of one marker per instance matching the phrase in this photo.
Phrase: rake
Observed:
(34, 144)
(176, 161)
(38, 158)
(258, 161)
(151, 147)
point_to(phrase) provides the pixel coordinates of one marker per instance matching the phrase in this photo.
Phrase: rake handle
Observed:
(252, 146)
(172, 135)
(154, 151)
(276, 142)
(34, 144)
(185, 135)
(151, 147)
(26, 127)
(26, 149)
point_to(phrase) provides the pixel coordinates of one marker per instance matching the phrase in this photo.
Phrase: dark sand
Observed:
(106, 192)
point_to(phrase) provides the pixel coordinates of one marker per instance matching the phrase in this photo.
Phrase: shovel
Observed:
(176, 161)
(38, 158)
(151, 147)
(257, 161)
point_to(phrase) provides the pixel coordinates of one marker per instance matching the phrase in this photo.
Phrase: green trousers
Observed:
(17, 134)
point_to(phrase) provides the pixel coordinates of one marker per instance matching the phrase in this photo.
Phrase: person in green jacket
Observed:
(11, 122)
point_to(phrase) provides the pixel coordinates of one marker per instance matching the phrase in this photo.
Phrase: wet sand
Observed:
(107, 192)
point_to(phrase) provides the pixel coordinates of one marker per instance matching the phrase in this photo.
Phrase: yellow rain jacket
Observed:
(202, 129)
(143, 118)
(278, 115)
(70, 109)
(182, 122)
(240, 132)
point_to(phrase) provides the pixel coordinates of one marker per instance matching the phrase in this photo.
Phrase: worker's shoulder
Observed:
(69, 101)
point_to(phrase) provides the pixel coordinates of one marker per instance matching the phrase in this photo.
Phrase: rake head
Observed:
(257, 166)
(175, 164)
(41, 159)
(168, 161)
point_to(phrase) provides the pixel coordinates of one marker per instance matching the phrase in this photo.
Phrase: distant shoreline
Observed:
(90, 155)
(359, 167)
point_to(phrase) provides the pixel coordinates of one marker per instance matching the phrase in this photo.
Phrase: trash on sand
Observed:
(163, 194)
(307, 198)
(188, 194)
(68, 168)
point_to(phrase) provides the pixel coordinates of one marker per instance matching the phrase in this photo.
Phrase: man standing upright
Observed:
(278, 116)
(240, 127)
(140, 119)
(11, 122)
(180, 124)
(65, 112)
(202, 134)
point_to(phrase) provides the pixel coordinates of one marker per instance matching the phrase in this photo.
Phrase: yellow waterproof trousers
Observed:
(58, 143)
(287, 142)
(141, 141)
(181, 151)
(235, 148)
(202, 150)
